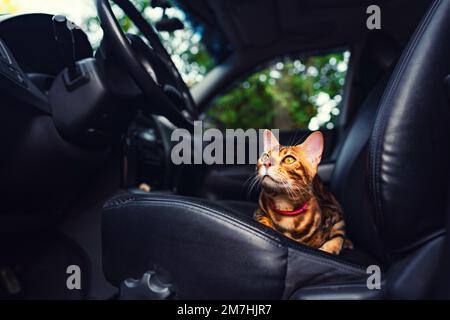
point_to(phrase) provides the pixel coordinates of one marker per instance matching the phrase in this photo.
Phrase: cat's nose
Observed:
(267, 163)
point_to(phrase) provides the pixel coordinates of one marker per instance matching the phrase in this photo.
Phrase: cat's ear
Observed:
(313, 147)
(269, 140)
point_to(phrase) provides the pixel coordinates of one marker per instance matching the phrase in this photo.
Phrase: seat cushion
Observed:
(213, 250)
(243, 208)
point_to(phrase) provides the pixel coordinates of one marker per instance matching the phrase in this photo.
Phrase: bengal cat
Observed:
(293, 201)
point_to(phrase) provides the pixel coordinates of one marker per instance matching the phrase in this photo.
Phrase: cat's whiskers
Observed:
(253, 182)
(295, 191)
(250, 179)
(286, 185)
(290, 191)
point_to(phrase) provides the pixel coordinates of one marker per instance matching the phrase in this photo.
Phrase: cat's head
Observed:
(289, 170)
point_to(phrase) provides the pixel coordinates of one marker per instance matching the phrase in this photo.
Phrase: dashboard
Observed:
(31, 39)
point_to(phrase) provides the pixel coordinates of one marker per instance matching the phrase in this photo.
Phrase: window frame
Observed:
(228, 70)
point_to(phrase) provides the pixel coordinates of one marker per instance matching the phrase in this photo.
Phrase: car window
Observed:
(290, 93)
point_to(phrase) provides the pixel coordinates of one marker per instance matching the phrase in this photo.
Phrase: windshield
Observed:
(186, 47)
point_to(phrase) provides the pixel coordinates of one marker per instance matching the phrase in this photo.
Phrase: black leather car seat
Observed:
(393, 193)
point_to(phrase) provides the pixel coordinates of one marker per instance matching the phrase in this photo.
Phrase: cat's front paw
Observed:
(333, 246)
(348, 244)
(265, 221)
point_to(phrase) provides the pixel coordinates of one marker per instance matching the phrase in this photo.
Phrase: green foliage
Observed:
(288, 94)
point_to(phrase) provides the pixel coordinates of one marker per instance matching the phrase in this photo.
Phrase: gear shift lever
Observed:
(64, 37)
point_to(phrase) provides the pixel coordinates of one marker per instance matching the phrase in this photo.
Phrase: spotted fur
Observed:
(288, 178)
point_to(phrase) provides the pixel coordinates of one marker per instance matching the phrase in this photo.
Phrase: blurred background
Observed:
(289, 93)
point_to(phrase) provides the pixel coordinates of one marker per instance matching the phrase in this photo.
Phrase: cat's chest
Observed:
(308, 220)
(288, 223)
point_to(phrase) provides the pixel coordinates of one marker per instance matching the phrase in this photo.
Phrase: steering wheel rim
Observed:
(119, 42)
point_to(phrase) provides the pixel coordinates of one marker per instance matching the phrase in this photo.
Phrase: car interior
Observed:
(84, 129)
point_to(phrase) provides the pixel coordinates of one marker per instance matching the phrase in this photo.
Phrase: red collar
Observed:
(291, 213)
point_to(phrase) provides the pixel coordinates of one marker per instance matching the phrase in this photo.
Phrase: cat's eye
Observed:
(289, 160)
(265, 157)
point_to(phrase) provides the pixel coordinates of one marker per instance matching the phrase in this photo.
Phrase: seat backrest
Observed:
(349, 183)
(393, 188)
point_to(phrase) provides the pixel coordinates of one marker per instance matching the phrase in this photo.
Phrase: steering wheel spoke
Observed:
(150, 66)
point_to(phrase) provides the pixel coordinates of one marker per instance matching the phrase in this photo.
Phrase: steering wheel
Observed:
(149, 65)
